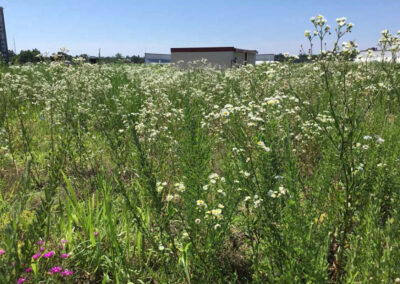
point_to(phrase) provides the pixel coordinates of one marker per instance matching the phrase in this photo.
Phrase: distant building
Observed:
(223, 57)
(3, 37)
(93, 59)
(157, 58)
(374, 54)
(265, 58)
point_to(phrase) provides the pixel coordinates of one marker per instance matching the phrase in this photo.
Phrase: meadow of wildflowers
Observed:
(280, 172)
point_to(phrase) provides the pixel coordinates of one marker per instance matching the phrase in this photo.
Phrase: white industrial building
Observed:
(220, 57)
(264, 58)
(157, 58)
(373, 54)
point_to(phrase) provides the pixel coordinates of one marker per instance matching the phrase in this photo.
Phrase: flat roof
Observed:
(149, 53)
(211, 49)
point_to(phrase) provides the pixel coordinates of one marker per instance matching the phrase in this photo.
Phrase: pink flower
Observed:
(56, 269)
(65, 255)
(95, 234)
(49, 254)
(42, 249)
(64, 242)
(36, 255)
(67, 272)
(20, 280)
(40, 242)
(2, 251)
(29, 269)
(60, 247)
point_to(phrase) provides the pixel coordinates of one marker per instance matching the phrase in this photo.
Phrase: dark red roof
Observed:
(211, 49)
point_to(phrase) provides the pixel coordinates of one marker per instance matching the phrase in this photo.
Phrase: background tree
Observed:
(26, 56)
(11, 56)
(279, 57)
(137, 59)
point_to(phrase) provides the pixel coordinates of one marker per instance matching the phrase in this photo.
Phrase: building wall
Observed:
(239, 58)
(151, 58)
(265, 57)
(222, 59)
(377, 56)
(251, 58)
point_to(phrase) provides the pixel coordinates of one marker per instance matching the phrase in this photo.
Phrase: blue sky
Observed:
(133, 27)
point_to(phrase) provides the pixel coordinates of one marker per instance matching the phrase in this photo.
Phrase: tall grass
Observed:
(272, 173)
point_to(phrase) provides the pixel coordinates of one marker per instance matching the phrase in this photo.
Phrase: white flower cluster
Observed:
(278, 193)
(318, 21)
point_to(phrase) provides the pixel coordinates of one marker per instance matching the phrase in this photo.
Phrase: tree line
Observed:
(34, 56)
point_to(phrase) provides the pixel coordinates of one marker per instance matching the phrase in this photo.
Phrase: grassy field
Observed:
(149, 174)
